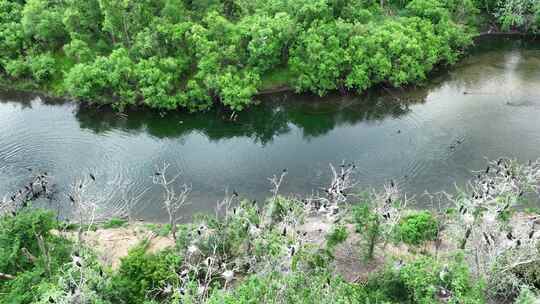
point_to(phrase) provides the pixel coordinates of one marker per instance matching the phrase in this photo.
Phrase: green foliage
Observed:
(337, 236)
(417, 228)
(431, 9)
(43, 67)
(514, 14)
(114, 223)
(141, 274)
(17, 68)
(527, 296)
(368, 224)
(422, 280)
(18, 241)
(107, 77)
(317, 287)
(171, 54)
(78, 50)
(42, 21)
(319, 58)
(417, 282)
(91, 280)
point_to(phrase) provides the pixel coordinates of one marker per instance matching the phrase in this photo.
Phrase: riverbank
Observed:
(482, 249)
(272, 84)
(113, 244)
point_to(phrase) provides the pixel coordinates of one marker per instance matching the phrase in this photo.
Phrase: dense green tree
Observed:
(269, 38)
(320, 58)
(83, 20)
(79, 51)
(191, 54)
(11, 30)
(106, 77)
(42, 21)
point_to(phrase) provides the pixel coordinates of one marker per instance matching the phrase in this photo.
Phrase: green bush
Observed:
(17, 68)
(421, 282)
(79, 51)
(527, 296)
(114, 223)
(141, 274)
(18, 240)
(337, 236)
(368, 224)
(417, 228)
(43, 67)
(425, 277)
(299, 287)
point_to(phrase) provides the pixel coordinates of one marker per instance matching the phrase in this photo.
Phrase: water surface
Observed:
(427, 138)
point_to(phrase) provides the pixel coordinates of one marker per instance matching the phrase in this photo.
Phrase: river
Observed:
(427, 138)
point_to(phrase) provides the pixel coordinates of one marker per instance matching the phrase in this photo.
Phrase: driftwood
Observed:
(5, 276)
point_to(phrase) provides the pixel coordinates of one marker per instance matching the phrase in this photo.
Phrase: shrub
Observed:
(527, 296)
(114, 223)
(298, 287)
(78, 50)
(417, 228)
(337, 236)
(17, 68)
(421, 281)
(368, 224)
(43, 67)
(18, 240)
(141, 274)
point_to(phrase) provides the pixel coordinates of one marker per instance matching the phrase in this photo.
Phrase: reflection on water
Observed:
(425, 138)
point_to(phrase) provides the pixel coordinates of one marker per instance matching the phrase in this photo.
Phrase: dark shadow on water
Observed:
(272, 117)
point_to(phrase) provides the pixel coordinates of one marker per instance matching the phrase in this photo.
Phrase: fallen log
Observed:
(5, 276)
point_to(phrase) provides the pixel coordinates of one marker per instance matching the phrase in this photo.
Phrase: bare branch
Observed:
(276, 184)
(173, 200)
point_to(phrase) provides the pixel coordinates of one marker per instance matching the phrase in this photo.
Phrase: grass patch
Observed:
(115, 223)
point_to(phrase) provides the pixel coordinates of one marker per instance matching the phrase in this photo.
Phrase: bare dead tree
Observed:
(335, 194)
(173, 200)
(84, 207)
(90, 206)
(276, 184)
(76, 281)
(390, 203)
(343, 180)
(496, 241)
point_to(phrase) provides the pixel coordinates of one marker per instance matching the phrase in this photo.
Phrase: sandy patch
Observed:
(113, 244)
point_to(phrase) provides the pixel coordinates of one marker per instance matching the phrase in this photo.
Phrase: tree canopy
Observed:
(171, 54)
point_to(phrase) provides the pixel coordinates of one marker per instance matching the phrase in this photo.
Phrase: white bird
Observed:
(192, 250)
(398, 264)
(77, 260)
(228, 275)
(184, 273)
(167, 289)
(254, 231)
(444, 273)
(201, 289)
(468, 219)
(208, 261)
